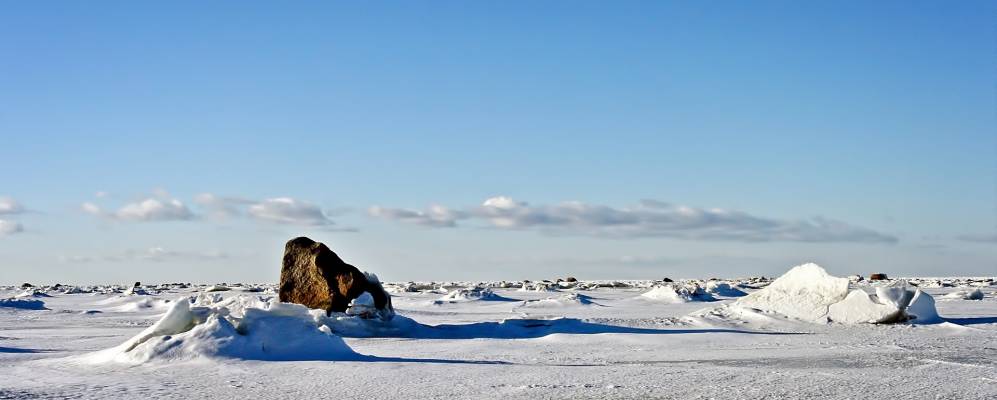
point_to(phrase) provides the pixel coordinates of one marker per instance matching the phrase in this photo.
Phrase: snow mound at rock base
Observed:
(278, 332)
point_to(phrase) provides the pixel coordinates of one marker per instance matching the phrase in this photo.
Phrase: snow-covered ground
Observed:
(627, 339)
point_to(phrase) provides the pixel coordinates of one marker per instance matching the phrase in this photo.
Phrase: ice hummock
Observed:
(808, 293)
(471, 293)
(672, 293)
(277, 331)
(725, 289)
(970, 294)
(805, 292)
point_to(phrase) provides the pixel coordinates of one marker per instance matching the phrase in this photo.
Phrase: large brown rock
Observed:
(314, 276)
(877, 277)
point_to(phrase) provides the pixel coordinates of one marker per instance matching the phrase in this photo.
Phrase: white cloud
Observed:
(10, 206)
(153, 209)
(159, 207)
(650, 218)
(221, 207)
(436, 215)
(8, 227)
(286, 210)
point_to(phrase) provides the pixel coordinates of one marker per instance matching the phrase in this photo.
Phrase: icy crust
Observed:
(808, 293)
(251, 329)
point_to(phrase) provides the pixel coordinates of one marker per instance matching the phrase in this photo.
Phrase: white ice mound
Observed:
(570, 299)
(859, 307)
(281, 331)
(922, 309)
(362, 306)
(808, 293)
(467, 294)
(539, 287)
(677, 294)
(974, 294)
(32, 294)
(725, 289)
(805, 292)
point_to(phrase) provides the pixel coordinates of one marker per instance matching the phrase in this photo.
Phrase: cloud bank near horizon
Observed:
(648, 219)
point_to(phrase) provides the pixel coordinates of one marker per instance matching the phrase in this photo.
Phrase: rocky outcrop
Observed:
(314, 276)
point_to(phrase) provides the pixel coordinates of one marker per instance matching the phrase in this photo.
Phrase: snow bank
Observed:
(23, 304)
(677, 294)
(807, 292)
(280, 331)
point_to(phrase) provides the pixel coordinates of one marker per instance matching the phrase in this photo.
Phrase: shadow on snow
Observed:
(530, 329)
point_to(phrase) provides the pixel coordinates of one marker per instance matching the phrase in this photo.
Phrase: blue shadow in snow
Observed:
(536, 328)
(972, 321)
(15, 350)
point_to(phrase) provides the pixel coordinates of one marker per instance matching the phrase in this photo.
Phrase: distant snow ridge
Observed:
(677, 293)
(807, 292)
(32, 293)
(539, 287)
(252, 329)
(564, 300)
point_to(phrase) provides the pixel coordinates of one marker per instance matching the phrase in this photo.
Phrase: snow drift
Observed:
(253, 330)
(808, 293)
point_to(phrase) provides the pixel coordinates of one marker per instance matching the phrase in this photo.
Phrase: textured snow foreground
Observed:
(805, 335)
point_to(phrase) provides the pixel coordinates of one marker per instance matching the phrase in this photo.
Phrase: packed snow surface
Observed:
(804, 335)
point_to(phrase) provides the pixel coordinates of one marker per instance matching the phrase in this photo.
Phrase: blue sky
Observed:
(188, 141)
